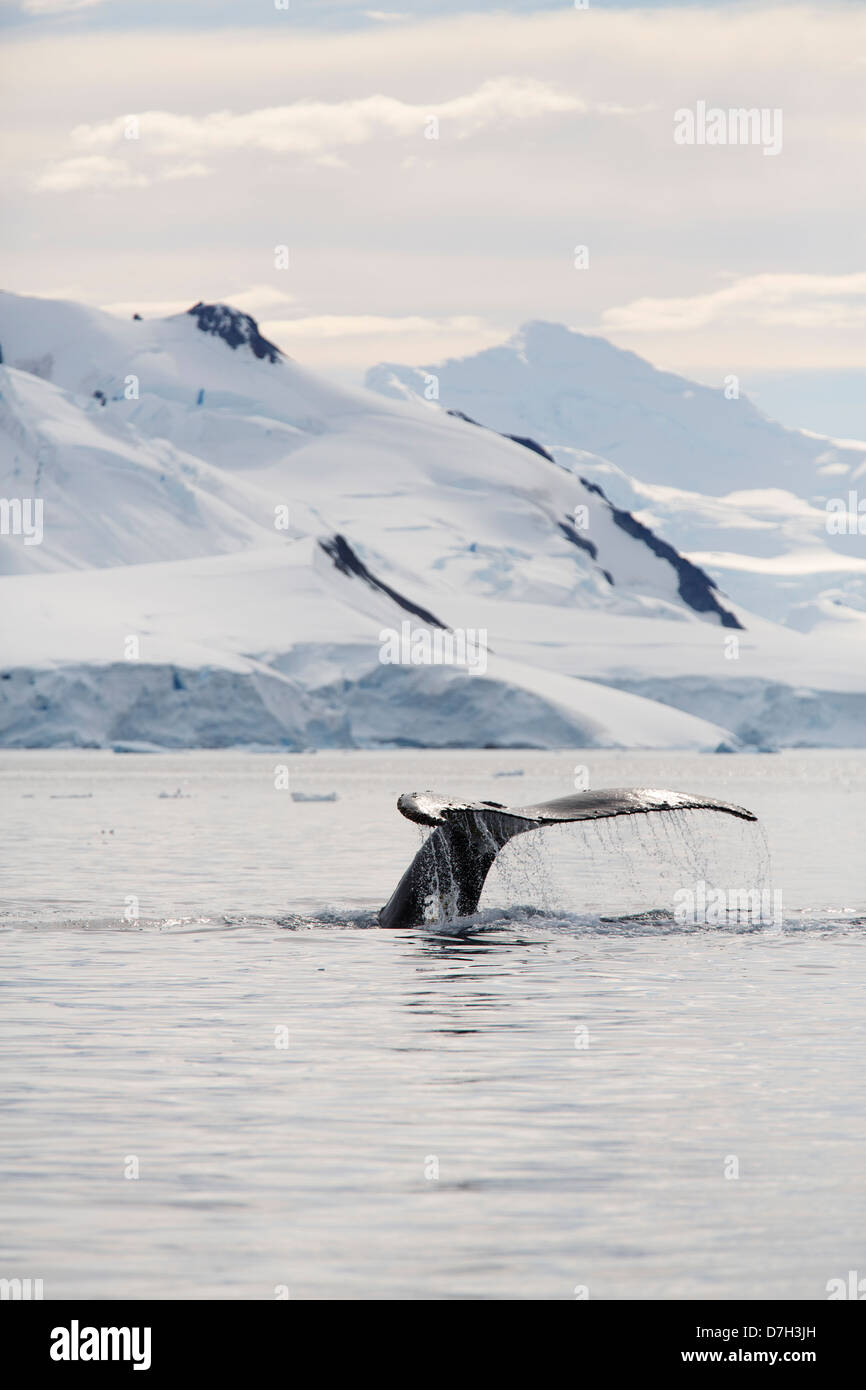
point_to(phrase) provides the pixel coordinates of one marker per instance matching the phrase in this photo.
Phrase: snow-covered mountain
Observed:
(741, 495)
(225, 541)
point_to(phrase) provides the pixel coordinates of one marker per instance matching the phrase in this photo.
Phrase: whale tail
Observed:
(448, 873)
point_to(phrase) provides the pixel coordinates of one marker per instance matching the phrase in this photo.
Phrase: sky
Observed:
(438, 174)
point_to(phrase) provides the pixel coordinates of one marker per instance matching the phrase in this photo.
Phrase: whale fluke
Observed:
(448, 872)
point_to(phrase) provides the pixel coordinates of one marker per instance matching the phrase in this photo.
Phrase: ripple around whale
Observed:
(521, 923)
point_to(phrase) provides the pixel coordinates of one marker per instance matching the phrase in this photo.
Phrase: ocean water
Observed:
(222, 1080)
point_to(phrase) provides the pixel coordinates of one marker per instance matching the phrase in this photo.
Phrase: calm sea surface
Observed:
(546, 1099)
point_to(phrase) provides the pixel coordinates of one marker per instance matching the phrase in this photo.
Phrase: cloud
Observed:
(93, 171)
(313, 127)
(484, 221)
(266, 301)
(352, 342)
(194, 170)
(62, 292)
(57, 6)
(770, 300)
(795, 562)
(148, 308)
(97, 172)
(373, 325)
(258, 299)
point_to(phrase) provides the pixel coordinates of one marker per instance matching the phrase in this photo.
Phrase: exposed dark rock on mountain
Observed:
(234, 328)
(347, 562)
(696, 588)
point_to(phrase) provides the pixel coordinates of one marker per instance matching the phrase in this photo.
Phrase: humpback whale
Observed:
(447, 874)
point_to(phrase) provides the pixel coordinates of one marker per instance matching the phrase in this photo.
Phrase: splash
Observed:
(626, 866)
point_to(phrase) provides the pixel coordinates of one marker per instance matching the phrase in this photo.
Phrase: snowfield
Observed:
(741, 495)
(227, 540)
